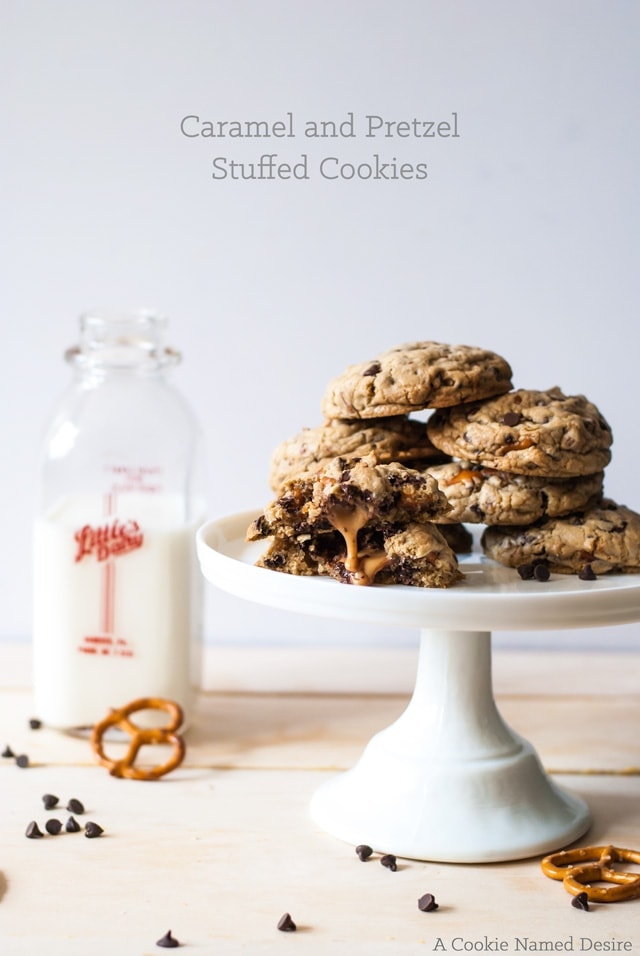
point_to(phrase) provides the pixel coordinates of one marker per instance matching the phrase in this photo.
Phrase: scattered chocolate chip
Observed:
(33, 831)
(587, 573)
(72, 825)
(364, 851)
(525, 571)
(92, 830)
(35, 723)
(389, 861)
(286, 924)
(53, 826)
(511, 419)
(22, 760)
(541, 572)
(427, 903)
(167, 941)
(581, 901)
(50, 801)
(75, 806)
(8, 752)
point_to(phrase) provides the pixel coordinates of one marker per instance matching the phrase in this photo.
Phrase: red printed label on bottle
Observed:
(104, 644)
(108, 540)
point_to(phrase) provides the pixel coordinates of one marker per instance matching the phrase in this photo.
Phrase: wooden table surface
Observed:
(221, 848)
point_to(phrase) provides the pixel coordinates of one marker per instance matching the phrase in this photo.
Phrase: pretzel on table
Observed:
(580, 868)
(140, 737)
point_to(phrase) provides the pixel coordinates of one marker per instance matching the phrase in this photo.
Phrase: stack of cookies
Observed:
(376, 494)
(530, 465)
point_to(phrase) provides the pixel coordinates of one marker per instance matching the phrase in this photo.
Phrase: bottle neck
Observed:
(121, 345)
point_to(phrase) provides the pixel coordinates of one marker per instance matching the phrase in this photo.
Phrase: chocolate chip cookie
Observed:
(417, 555)
(415, 376)
(526, 432)
(355, 498)
(605, 537)
(485, 495)
(398, 439)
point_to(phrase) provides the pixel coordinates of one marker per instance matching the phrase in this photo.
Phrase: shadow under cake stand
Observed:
(449, 780)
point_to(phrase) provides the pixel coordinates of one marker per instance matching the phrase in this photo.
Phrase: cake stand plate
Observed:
(448, 780)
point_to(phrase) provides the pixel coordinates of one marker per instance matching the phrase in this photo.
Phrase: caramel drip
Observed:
(372, 563)
(348, 521)
(368, 567)
(361, 568)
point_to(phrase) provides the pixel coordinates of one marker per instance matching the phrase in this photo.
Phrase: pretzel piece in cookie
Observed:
(119, 718)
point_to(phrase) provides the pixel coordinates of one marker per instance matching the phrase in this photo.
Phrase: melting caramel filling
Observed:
(465, 474)
(361, 568)
(517, 446)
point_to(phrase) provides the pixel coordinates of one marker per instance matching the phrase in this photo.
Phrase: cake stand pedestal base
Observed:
(449, 780)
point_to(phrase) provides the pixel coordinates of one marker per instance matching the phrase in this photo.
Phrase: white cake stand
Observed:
(449, 780)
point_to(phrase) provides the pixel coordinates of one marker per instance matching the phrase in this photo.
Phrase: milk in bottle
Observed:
(117, 591)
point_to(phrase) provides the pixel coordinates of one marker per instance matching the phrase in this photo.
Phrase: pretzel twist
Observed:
(580, 867)
(141, 736)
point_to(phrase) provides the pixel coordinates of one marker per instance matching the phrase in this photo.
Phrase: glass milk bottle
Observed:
(117, 591)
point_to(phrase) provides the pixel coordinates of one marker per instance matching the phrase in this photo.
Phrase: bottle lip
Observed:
(122, 340)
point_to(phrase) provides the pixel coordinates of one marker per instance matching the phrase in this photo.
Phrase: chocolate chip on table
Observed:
(50, 801)
(427, 903)
(168, 941)
(33, 831)
(389, 861)
(75, 806)
(35, 723)
(511, 419)
(22, 760)
(581, 901)
(363, 851)
(286, 924)
(53, 826)
(587, 573)
(8, 752)
(72, 825)
(92, 830)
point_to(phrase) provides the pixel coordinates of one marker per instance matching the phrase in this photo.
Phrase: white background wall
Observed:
(523, 237)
